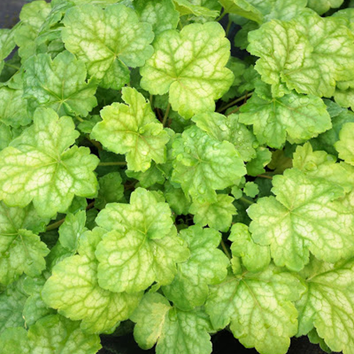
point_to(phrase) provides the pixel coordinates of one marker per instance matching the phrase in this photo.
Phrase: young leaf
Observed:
(217, 215)
(190, 65)
(305, 216)
(140, 245)
(205, 8)
(206, 265)
(243, 301)
(39, 166)
(73, 289)
(111, 189)
(59, 84)
(254, 257)
(242, 8)
(203, 164)
(173, 330)
(132, 129)
(109, 41)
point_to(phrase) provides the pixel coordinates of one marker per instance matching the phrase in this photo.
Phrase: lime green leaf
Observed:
(206, 265)
(217, 215)
(21, 250)
(58, 333)
(132, 129)
(154, 174)
(190, 65)
(59, 84)
(13, 108)
(293, 117)
(328, 304)
(7, 44)
(242, 8)
(257, 164)
(280, 162)
(111, 189)
(322, 6)
(238, 67)
(173, 330)
(203, 164)
(140, 246)
(206, 8)
(228, 128)
(305, 216)
(32, 18)
(243, 301)
(108, 41)
(161, 14)
(12, 301)
(308, 60)
(345, 145)
(73, 289)
(254, 257)
(39, 166)
(321, 166)
(72, 229)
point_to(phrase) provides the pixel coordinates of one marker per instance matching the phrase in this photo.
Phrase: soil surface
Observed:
(223, 342)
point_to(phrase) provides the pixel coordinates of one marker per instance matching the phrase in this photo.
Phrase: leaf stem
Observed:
(228, 27)
(221, 16)
(151, 100)
(55, 225)
(12, 66)
(247, 201)
(265, 176)
(224, 108)
(222, 243)
(115, 163)
(79, 119)
(94, 143)
(166, 114)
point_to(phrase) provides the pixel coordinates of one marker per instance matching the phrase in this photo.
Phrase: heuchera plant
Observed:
(148, 176)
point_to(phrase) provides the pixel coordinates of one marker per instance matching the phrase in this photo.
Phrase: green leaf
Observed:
(203, 164)
(52, 333)
(242, 8)
(140, 245)
(173, 330)
(251, 189)
(311, 53)
(34, 308)
(328, 304)
(13, 108)
(153, 175)
(176, 199)
(319, 165)
(244, 302)
(190, 65)
(132, 129)
(256, 165)
(21, 249)
(217, 215)
(293, 117)
(111, 189)
(322, 6)
(59, 84)
(305, 216)
(254, 257)
(345, 146)
(73, 289)
(7, 44)
(161, 14)
(39, 166)
(206, 265)
(72, 229)
(109, 41)
(228, 128)
(12, 301)
(205, 8)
